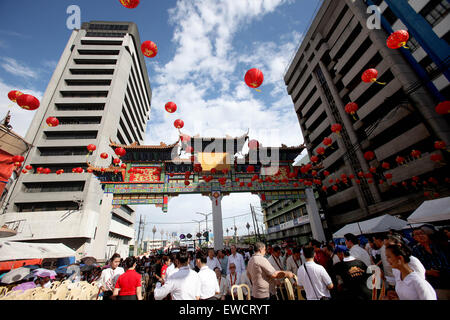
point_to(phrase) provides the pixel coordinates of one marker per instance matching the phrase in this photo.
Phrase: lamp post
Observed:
(154, 231)
(235, 234)
(248, 229)
(206, 215)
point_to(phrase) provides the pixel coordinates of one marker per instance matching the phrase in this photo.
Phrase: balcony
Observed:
(318, 131)
(382, 67)
(340, 197)
(378, 99)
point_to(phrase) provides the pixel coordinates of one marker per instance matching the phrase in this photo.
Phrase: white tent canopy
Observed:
(431, 210)
(10, 250)
(378, 224)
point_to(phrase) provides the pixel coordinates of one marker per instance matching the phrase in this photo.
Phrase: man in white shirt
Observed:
(237, 259)
(109, 277)
(314, 278)
(209, 286)
(294, 261)
(277, 264)
(212, 262)
(173, 267)
(233, 278)
(352, 243)
(182, 285)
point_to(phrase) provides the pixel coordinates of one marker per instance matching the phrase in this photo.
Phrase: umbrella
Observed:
(15, 275)
(88, 267)
(62, 270)
(24, 286)
(89, 260)
(41, 272)
(32, 266)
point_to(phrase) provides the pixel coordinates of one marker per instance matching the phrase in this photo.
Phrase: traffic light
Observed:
(206, 235)
(189, 236)
(182, 236)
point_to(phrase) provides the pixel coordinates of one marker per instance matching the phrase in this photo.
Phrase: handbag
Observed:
(315, 293)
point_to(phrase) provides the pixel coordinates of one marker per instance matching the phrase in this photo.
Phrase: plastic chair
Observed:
(240, 294)
(289, 289)
(3, 291)
(55, 284)
(299, 291)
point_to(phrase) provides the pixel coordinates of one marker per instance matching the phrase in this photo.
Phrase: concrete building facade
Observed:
(392, 119)
(99, 91)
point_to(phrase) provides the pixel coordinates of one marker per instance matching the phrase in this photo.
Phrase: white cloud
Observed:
(205, 79)
(20, 118)
(16, 68)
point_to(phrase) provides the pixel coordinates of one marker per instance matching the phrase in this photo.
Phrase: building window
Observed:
(120, 220)
(79, 106)
(64, 135)
(84, 94)
(435, 11)
(59, 151)
(47, 206)
(36, 187)
(79, 120)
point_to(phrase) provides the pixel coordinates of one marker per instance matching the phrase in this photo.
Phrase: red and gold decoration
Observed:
(149, 49)
(170, 107)
(130, 4)
(52, 122)
(120, 152)
(336, 128)
(28, 102)
(369, 155)
(104, 155)
(13, 95)
(443, 108)
(398, 39)
(254, 78)
(327, 141)
(145, 174)
(371, 76)
(178, 124)
(351, 109)
(416, 154)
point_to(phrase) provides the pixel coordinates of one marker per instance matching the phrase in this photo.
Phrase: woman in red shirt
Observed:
(166, 263)
(128, 285)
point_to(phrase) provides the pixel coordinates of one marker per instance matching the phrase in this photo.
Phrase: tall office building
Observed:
(392, 119)
(100, 91)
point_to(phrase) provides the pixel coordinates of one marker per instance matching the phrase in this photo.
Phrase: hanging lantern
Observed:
(394, 184)
(28, 102)
(415, 178)
(91, 148)
(295, 185)
(351, 109)
(149, 49)
(39, 170)
(260, 180)
(352, 176)
(317, 181)
(405, 184)
(13, 95)
(116, 161)
(186, 183)
(426, 194)
(320, 150)
(130, 4)
(336, 128)
(343, 176)
(254, 78)
(416, 154)
(433, 180)
(178, 123)
(361, 174)
(250, 169)
(443, 108)
(104, 155)
(327, 141)
(91, 170)
(388, 176)
(237, 180)
(370, 76)
(335, 188)
(120, 152)
(123, 166)
(28, 167)
(440, 145)
(386, 165)
(18, 159)
(436, 157)
(187, 174)
(400, 160)
(358, 181)
(369, 155)
(46, 171)
(314, 173)
(263, 197)
(381, 181)
(213, 170)
(170, 107)
(398, 39)
(373, 169)
(24, 171)
(253, 144)
(331, 181)
(249, 185)
(52, 122)
(326, 173)
(315, 159)
(368, 175)
(324, 188)
(242, 184)
(370, 181)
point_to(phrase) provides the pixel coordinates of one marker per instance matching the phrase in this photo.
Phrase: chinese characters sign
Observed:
(145, 174)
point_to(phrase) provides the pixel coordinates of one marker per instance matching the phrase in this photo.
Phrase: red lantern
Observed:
(415, 178)
(416, 153)
(104, 155)
(171, 107)
(320, 150)
(39, 170)
(343, 176)
(254, 78)
(352, 176)
(28, 167)
(358, 181)
(400, 160)
(186, 183)
(385, 165)
(242, 184)
(436, 195)
(116, 161)
(213, 170)
(324, 188)
(249, 185)
(336, 128)
(90, 170)
(149, 49)
(373, 170)
(314, 173)
(61, 171)
(253, 144)
(360, 174)
(255, 177)
(398, 39)
(46, 171)
(432, 180)
(335, 187)
(426, 194)
(405, 184)
(381, 181)
(327, 141)
(440, 145)
(351, 109)
(250, 169)
(130, 4)
(28, 102)
(443, 108)
(326, 173)
(263, 197)
(123, 166)
(436, 157)
(370, 76)
(116, 171)
(315, 159)
(296, 185)
(178, 123)
(13, 95)
(237, 180)
(18, 159)
(24, 171)
(368, 175)
(260, 180)
(120, 152)
(388, 176)
(52, 122)
(91, 148)
(369, 155)
(370, 181)
(330, 181)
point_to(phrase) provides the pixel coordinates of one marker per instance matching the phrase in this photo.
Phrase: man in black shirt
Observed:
(352, 278)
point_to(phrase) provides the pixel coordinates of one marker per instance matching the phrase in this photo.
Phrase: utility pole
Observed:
(143, 233)
(199, 222)
(206, 215)
(139, 234)
(254, 222)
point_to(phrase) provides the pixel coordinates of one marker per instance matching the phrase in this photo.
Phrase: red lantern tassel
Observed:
(382, 83)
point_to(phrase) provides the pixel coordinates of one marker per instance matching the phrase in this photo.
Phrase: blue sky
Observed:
(205, 48)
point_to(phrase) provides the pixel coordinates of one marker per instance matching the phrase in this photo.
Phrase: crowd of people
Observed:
(407, 270)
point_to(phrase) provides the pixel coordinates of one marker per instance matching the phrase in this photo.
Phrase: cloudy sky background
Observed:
(205, 48)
